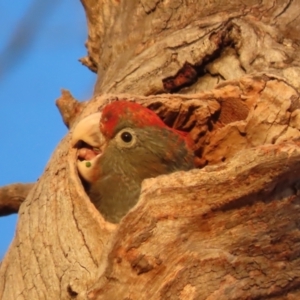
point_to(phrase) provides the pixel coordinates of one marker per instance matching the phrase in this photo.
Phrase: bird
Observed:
(122, 146)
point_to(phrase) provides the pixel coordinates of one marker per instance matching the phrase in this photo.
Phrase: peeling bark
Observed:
(228, 230)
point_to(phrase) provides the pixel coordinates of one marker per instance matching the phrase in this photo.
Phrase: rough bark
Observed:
(228, 230)
(12, 196)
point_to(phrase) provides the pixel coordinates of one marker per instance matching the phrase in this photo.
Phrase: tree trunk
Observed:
(228, 73)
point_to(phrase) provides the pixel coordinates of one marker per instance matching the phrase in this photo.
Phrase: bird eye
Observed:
(126, 137)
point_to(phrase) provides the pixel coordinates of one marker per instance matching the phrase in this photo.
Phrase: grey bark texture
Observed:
(228, 73)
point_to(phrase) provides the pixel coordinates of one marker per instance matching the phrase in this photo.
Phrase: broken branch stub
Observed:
(69, 108)
(12, 196)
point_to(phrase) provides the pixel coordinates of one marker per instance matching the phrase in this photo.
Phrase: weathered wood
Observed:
(12, 196)
(145, 46)
(69, 108)
(229, 230)
(50, 216)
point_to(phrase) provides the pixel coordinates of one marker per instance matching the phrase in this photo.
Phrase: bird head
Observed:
(132, 144)
(144, 143)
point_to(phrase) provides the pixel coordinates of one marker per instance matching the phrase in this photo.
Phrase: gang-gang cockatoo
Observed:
(129, 144)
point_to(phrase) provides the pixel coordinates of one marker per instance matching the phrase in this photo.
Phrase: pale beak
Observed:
(88, 131)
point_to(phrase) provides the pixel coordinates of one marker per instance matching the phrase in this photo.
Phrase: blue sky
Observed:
(32, 74)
